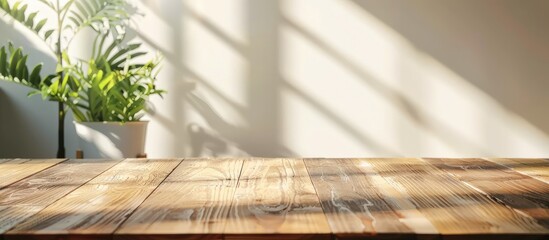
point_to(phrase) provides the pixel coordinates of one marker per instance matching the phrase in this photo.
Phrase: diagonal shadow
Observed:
(428, 123)
(264, 87)
(496, 47)
(341, 123)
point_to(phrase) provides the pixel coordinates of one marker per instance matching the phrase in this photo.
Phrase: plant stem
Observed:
(61, 107)
(61, 131)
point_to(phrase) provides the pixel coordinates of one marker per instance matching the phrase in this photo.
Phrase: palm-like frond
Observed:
(115, 54)
(20, 13)
(95, 13)
(13, 67)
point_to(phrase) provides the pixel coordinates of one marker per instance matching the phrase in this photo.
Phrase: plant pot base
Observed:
(80, 155)
(111, 140)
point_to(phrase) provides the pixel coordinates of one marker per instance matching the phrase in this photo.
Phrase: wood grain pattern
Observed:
(400, 202)
(98, 207)
(516, 190)
(194, 200)
(536, 168)
(14, 170)
(451, 205)
(275, 196)
(351, 201)
(407, 198)
(30, 195)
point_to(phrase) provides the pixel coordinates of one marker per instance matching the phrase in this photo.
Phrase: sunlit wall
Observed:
(328, 78)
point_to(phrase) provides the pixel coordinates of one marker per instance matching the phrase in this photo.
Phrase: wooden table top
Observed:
(256, 198)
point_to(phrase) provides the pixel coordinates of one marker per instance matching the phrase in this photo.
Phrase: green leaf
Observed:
(106, 81)
(3, 63)
(97, 3)
(13, 11)
(137, 107)
(14, 60)
(4, 5)
(78, 115)
(64, 82)
(49, 79)
(48, 33)
(117, 64)
(110, 48)
(26, 75)
(80, 8)
(65, 57)
(74, 20)
(93, 13)
(20, 15)
(34, 78)
(30, 19)
(40, 25)
(89, 8)
(123, 51)
(100, 46)
(53, 89)
(32, 93)
(20, 68)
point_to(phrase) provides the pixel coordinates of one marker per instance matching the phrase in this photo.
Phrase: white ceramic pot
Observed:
(111, 140)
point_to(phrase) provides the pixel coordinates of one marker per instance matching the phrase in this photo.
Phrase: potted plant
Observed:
(112, 97)
(112, 86)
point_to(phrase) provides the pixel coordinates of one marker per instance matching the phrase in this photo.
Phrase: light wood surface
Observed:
(194, 199)
(101, 205)
(275, 196)
(351, 201)
(536, 168)
(450, 204)
(282, 198)
(399, 201)
(30, 195)
(519, 191)
(17, 169)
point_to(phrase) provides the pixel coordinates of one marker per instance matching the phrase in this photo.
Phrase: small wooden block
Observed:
(79, 154)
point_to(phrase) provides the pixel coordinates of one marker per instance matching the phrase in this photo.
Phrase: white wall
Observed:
(332, 78)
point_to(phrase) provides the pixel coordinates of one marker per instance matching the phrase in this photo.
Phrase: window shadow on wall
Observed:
(262, 134)
(396, 98)
(501, 48)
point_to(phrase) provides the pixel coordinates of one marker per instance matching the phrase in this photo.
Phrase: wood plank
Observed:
(98, 207)
(351, 201)
(519, 191)
(193, 202)
(14, 170)
(453, 207)
(23, 199)
(533, 167)
(275, 196)
(3, 160)
(400, 202)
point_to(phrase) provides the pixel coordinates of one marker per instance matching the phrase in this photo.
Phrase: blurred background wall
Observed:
(327, 78)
